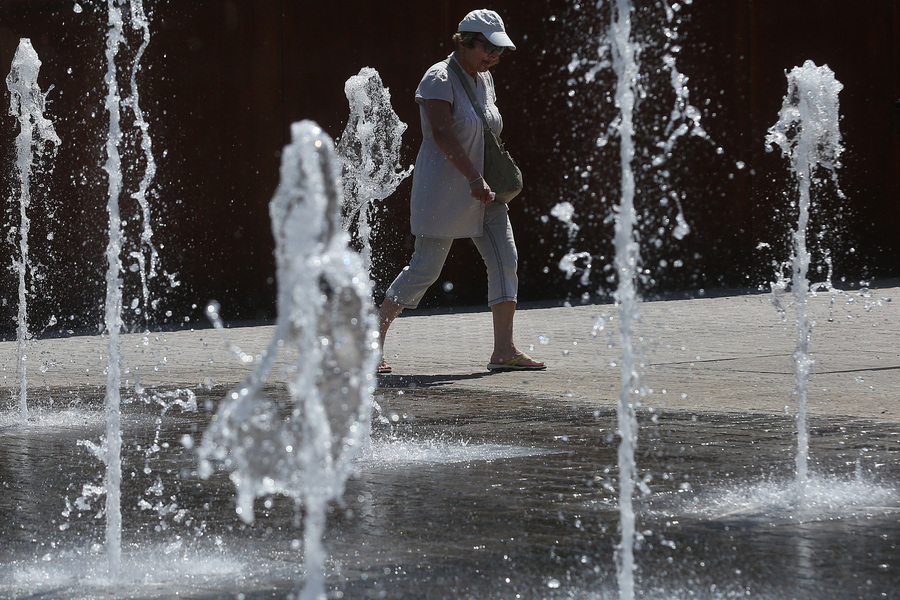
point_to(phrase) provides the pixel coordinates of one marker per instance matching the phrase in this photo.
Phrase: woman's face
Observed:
(478, 56)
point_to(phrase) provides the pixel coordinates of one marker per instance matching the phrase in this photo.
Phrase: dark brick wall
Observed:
(223, 80)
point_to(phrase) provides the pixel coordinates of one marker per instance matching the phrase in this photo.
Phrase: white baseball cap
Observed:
(490, 24)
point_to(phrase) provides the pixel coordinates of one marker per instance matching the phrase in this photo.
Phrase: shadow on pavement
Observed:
(404, 381)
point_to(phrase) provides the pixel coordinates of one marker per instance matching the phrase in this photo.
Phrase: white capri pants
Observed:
(497, 248)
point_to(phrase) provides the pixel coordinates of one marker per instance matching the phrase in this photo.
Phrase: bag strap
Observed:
(469, 91)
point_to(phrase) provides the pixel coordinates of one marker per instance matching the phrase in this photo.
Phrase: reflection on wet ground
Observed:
(492, 496)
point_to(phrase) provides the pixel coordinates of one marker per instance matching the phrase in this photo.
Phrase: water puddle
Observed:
(462, 493)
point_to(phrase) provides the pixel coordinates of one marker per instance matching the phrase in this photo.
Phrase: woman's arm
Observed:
(439, 116)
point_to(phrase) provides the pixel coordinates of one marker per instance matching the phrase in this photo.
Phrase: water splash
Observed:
(369, 150)
(568, 264)
(139, 22)
(656, 43)
(212, 313)
(773, 502)
(565, 213)
(155, 499)
(36, 134)
(684, 119)
(808, 133)
(305, 450)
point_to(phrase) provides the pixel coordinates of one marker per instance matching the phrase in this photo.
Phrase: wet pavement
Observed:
(489, 485)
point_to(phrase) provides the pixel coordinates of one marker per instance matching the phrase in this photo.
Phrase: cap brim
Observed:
(499, 38)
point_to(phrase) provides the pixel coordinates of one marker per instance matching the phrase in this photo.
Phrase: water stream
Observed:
(36, 135)
(808, 133)
(304, 449)
(626, 259)
(146, 251)
(112, 448)
(684, 119)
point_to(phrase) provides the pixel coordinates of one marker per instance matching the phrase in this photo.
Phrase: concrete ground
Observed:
(492, 485)
(724, 353)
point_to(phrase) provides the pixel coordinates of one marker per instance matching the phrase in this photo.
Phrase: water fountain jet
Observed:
(304, 449)
(36, 134)
(626, 260)
(808, 133)
(111, 449)
(369, 150)
(684, 119)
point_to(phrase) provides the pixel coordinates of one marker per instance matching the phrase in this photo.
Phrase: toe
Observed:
(527, 361)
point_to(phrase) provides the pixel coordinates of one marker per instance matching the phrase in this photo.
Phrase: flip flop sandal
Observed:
(513, 364)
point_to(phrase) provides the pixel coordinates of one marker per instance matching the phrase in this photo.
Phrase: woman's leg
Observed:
(412, 283)
(504, 347)
(498, 249)
(389, 311)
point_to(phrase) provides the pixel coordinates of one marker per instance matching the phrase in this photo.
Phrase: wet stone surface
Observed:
(462, 495)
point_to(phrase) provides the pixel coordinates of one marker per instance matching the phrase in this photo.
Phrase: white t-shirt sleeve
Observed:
(435, 85)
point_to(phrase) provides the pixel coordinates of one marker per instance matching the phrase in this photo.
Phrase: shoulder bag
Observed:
(500, 170)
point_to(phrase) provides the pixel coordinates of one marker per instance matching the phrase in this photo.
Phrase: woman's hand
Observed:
(481, 191)
(442, 129)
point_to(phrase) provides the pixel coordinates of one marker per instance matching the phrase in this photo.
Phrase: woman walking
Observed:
(450, 198)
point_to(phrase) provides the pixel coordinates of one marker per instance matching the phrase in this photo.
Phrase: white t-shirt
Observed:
(442, 205)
